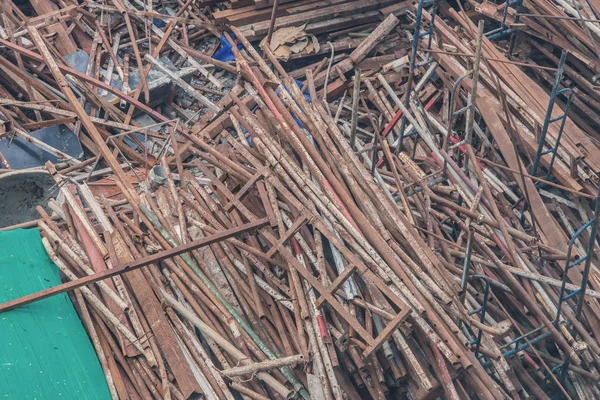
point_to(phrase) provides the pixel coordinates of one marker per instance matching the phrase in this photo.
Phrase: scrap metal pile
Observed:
(317, 199)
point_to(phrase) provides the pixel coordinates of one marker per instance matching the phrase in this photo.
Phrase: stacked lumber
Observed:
(359, 219)
(336, 18)
(320, 17)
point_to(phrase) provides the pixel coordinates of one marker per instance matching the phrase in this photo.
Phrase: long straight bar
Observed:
(142, 262)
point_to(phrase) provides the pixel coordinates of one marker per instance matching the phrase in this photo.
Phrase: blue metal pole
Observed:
(542, 141)
(561, 129)
(588, 260)
(504, 30)
(483, 307)
(411, 71)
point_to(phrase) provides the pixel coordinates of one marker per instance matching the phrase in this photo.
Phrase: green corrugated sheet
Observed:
(45, 352)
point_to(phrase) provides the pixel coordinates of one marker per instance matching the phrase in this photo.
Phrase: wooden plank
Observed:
(252, 14)
(361, 50)
(64, 44)
(322, 14)
(158, 321)
(263, 4)
(240, 3)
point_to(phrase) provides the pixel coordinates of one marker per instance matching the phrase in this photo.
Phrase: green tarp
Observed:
(45, 352)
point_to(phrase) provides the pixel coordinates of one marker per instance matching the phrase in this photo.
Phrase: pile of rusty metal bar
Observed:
(271, 201)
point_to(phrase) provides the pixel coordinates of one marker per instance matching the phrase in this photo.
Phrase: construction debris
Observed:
(332, 199)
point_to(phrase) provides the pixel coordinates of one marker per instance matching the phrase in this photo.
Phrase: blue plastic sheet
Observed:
(306, 96)
(160, 23)
(300, 86)
(225, 53)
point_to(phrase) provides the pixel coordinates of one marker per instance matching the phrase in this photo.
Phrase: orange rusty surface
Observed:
(108, 188)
